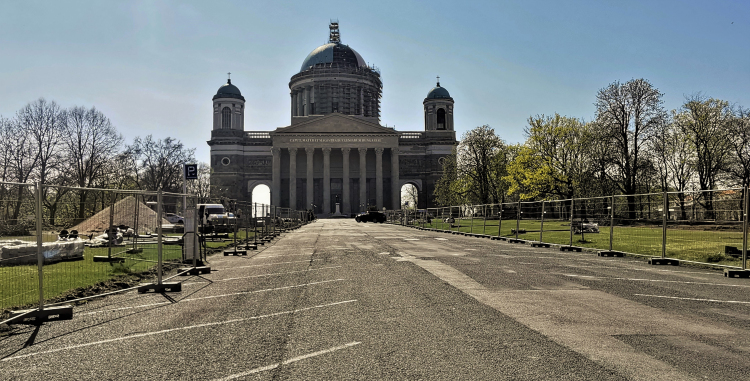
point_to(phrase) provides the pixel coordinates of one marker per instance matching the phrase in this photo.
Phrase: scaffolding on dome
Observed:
(335, 36)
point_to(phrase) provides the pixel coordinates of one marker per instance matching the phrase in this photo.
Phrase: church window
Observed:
(226, 118)
(441, 119)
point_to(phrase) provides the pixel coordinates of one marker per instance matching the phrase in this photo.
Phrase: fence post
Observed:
(442, 218)
(158, 234)
(665, 205)
(541, 225)
(612, 223)
(460, 215)
(499, 219)
(518, 217)
(39, 242)
(744, 229)
(473, 209)
(484, 224)
(194, 239)
(111, 232)
(135, 222)
(572, 209)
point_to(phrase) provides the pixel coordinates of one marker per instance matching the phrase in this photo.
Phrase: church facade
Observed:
(334, 151)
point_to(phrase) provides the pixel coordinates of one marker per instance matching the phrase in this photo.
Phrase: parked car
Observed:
(371, 216)
(174, 219)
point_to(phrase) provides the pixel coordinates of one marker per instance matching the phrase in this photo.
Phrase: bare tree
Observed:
(201, 187)
(627, 114)
(22, 160)
(704, 122)
(6, 128)
(43, 121)
(90, 143)
(738, 129)
(674, 157)
(410, 195)
(159, 162)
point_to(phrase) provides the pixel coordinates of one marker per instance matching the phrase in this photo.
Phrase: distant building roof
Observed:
(228, 90)
(438, 92)
(334, 52)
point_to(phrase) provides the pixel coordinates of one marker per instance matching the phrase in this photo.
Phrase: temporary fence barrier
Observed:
(56, 240)
(708, 227)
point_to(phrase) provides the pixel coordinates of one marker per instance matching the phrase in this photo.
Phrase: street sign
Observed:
(191, 171)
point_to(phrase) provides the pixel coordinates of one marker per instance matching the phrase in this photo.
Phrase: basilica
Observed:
(334, 152)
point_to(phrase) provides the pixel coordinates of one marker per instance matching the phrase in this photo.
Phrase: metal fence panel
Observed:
(19, 272)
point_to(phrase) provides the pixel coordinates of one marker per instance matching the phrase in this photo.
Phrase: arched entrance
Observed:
(260, 192)
(409, 196)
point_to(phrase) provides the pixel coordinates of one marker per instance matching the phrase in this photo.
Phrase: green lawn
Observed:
(693, 245)
(19, 285)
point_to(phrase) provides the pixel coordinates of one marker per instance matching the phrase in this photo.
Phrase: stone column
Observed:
(326, 180)
(362, 178)
(294, 101)
(310, 199)
(345, 208)
(379, 177)
(312, 100)
(293, 178)
(306, 101)
(276, 176)
(395, 188)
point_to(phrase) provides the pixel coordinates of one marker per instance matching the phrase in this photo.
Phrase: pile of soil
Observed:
(124, 214)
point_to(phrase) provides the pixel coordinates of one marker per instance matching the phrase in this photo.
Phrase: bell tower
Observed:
(229, 108)
(438, 109)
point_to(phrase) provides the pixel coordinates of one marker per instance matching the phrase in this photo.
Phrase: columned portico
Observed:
(362, 178)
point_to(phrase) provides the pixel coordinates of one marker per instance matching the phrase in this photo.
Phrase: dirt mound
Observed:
(125, 213)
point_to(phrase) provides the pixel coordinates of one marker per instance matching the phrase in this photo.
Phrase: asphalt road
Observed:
(339, 300)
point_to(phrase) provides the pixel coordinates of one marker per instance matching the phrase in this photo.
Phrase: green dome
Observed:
(228, 90)
(438, 92)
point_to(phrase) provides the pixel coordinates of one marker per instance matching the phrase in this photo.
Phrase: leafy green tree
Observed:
(475, 163)
(555, 161)
(476, 171)
(447, 190)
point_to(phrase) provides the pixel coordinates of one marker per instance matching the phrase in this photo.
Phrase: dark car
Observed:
(371, 216)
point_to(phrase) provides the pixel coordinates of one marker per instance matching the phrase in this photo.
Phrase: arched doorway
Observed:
(261, 194)
(409, 196)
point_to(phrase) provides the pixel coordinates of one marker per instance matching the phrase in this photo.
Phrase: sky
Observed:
(153, 66)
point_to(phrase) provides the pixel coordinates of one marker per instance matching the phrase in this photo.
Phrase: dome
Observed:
(333, 52)
(228, 90)
(438, 92)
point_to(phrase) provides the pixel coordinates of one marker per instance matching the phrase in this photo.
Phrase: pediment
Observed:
(335, 124)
